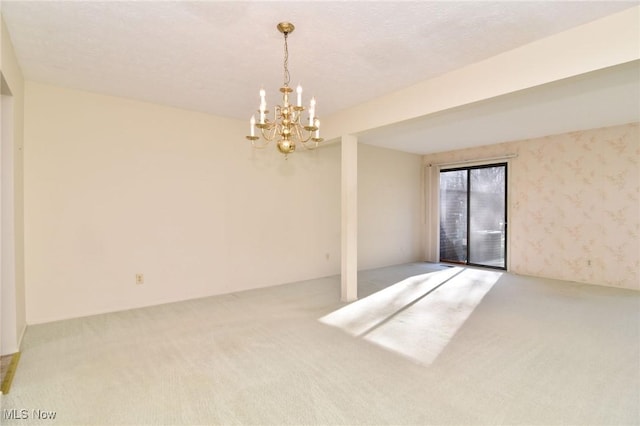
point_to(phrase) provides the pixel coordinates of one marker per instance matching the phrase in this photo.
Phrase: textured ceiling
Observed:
(214, 56)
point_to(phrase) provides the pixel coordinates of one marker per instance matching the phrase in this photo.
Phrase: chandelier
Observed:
(287, 125)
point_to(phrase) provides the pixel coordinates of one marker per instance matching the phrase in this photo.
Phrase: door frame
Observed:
(432, 251)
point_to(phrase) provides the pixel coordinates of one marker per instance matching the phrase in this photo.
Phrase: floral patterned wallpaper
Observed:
(574, 204)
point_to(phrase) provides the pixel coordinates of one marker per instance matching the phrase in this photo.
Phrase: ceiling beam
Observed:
(603, 43)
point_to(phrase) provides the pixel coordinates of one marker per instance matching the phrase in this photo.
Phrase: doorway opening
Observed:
(473, 215)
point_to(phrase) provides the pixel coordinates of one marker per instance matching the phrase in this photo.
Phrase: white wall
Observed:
(115, 187)
(389, 207)
(12, 314)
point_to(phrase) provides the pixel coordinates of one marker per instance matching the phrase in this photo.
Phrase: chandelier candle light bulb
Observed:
(299, 92)
(286, 125)
(312, 111)
(263, 105)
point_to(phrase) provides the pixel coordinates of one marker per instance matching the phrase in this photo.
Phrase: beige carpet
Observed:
(430, 345)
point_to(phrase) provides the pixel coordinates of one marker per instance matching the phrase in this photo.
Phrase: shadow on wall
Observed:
(419, 316)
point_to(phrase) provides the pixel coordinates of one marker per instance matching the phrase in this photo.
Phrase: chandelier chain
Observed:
(287, 77)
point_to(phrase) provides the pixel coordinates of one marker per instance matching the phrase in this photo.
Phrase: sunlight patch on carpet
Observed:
(416, 317)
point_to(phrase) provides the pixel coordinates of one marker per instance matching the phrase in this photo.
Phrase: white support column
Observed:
(349, 281)
(432, 215)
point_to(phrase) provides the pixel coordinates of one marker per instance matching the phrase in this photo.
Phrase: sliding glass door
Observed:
(473, 215)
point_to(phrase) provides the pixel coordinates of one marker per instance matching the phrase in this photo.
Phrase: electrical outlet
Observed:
(139, 279)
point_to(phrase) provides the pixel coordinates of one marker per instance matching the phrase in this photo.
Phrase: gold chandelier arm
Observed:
(296, 133)
(260, 145)
(312, 143)
(306, 138)
(269, 131)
